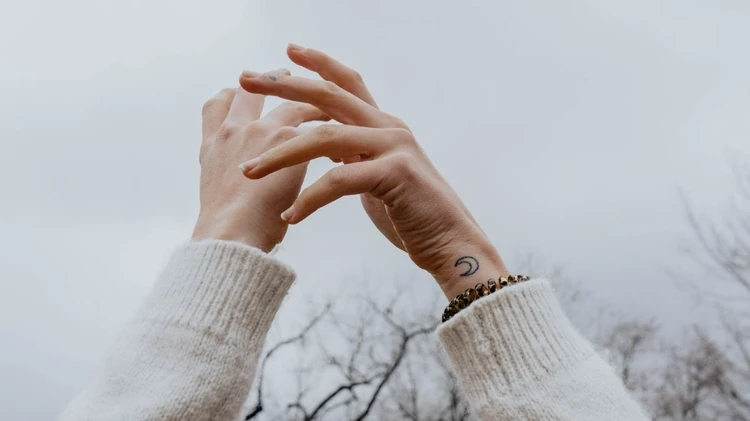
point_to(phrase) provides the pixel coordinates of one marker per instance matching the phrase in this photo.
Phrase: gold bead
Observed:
(492, 285)
(470, 295)
(446, 315)
(460, 301)
(482, 290)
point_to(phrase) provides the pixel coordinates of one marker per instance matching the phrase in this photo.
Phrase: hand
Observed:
(403, 193)
(232, 207)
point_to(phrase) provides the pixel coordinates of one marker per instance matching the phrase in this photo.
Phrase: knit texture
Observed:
(190, 353)
(518, 357)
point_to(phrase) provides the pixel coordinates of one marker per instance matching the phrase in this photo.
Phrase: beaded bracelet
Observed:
(480, 290)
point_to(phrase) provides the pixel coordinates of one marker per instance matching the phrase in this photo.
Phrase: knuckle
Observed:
(254, 129)
(298, 110)
(331, 88)
(325, 132)
(209, 105)
(297, 107)
(216, 100)
(351, 80)
(356, 77)
(227, 130)
(336, 177)
(402, 163)
(283, 134)
(402, 135)
(397, 123)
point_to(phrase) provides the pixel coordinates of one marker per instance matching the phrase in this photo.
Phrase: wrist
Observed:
(469, 265)
(227, 229)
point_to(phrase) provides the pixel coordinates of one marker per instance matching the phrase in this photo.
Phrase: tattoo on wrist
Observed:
(472, 265)
(272, 77)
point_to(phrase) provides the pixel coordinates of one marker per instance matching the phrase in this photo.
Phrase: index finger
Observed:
(331, 69)
(339, 104)
(247, 107)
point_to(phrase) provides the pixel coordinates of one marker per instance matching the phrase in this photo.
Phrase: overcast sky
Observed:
(567, 127)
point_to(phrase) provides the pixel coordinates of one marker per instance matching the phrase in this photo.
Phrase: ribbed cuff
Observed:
(227, 288)
(512, 338)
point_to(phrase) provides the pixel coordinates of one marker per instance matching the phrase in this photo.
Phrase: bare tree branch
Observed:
(258, 407)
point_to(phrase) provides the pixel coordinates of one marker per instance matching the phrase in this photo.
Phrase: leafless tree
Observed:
(628, 346)
(724, 243)
(375, 366)
(709, 377)
(696, 384)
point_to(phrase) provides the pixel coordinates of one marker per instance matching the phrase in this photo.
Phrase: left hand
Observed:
(403, 193)
(232, 208)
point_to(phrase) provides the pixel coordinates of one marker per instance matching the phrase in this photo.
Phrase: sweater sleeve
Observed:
(191, 351)
(518, 357)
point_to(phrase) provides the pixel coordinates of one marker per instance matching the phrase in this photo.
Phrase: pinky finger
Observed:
(345, 180)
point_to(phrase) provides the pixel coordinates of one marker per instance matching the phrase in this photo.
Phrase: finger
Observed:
(246, 106)
(378, 213)
(346, 180)
(332, 70)
(328, 140)
(341, 105)
(293, 114)
(215, 111)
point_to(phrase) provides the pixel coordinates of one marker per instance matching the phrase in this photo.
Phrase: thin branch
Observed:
(396, 363)
(258, 407)
(347, 387)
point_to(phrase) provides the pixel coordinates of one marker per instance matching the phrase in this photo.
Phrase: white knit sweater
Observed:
(191, 351)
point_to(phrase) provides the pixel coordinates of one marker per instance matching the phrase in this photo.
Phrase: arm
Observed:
(514, 352)
(517, 356)
(191, 350)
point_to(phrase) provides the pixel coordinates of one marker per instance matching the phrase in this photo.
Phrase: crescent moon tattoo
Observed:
(468, 260)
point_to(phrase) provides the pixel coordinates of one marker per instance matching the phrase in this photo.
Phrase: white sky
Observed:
(567, 127)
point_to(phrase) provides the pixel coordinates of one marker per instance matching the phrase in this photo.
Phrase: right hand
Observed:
(403, 193)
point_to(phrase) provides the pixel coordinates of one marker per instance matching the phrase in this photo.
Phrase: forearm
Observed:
(518, 357)
(192, 349)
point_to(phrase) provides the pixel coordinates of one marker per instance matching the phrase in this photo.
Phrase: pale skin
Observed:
(402, 192)
(232, 208)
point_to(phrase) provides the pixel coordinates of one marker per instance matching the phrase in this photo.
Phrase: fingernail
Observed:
(282, 71)
(295, 47)
(248, 74)
(248, 166)
(287, 215)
